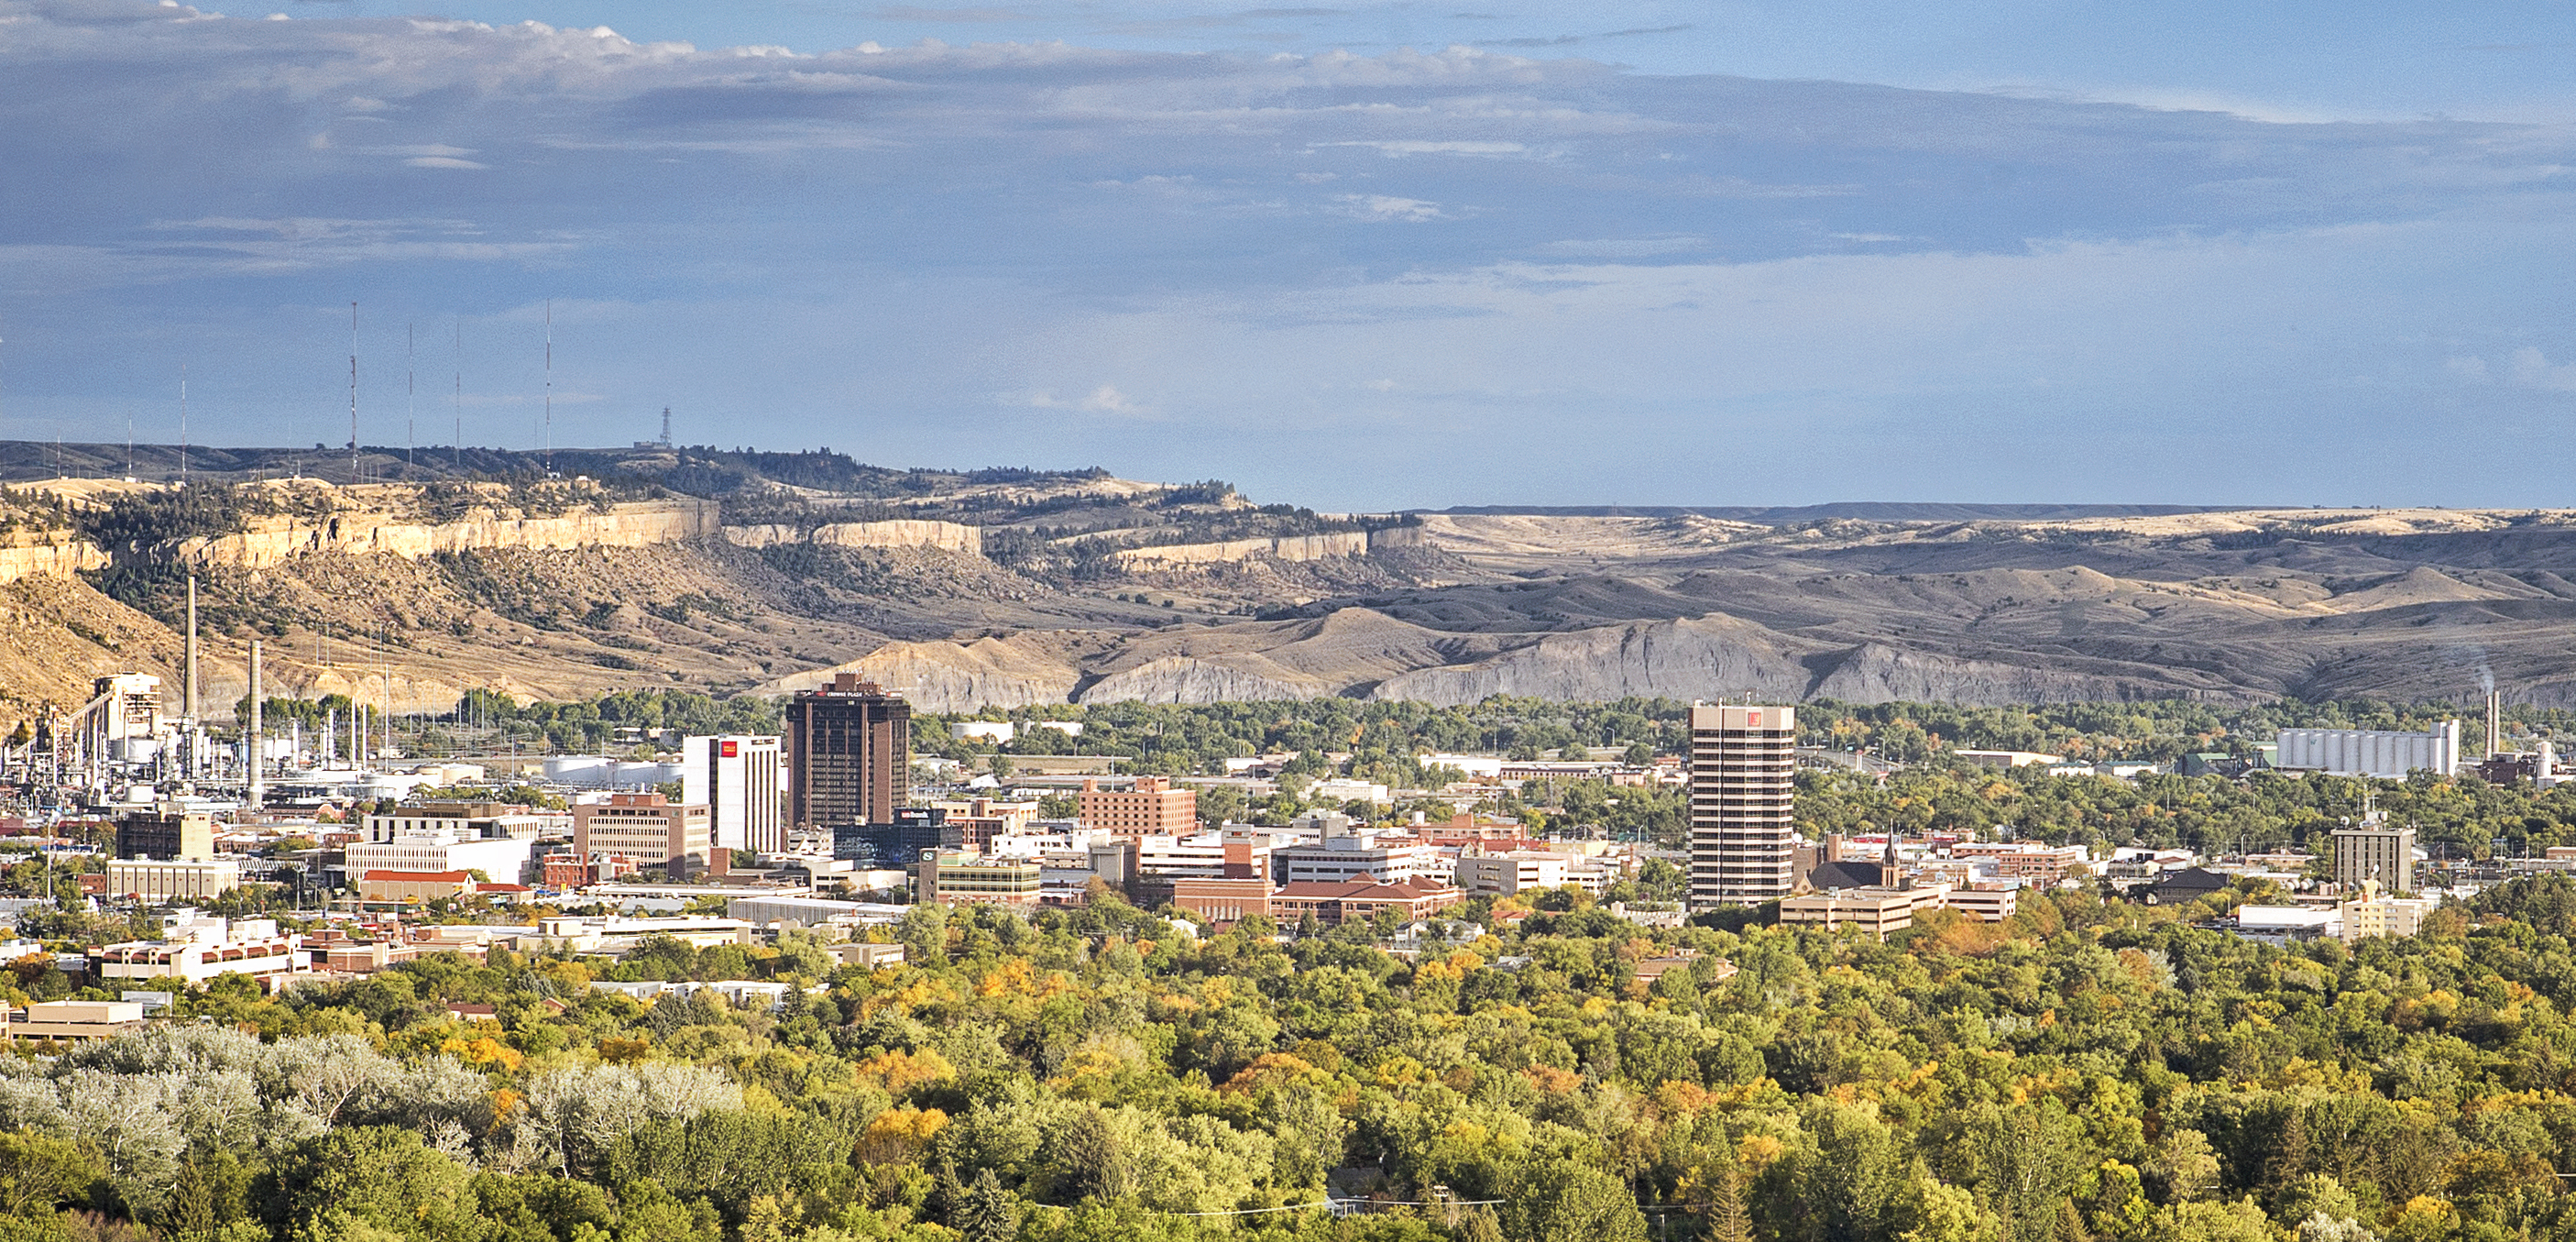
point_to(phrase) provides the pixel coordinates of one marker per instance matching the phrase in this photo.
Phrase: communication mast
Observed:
(460, 394)
(550, 386)
(410, 394)
(353, 393)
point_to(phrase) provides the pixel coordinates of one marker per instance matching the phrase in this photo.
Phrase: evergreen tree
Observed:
(987, 1212)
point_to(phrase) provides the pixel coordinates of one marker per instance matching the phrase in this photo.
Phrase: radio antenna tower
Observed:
(353, 393)
(550, 387)
(460, 394)
(411, 336)
(666, 426)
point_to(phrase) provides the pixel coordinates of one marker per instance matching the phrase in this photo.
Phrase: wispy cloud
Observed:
(910, 13)
(1387, 207)
(1422, 146)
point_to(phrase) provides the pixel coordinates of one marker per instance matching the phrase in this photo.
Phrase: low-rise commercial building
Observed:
(1364, 898)
(575, 871)
(154, 880)
(411, 888)
(1220, 900)
(2378, 915)
(200, 950)
(971, 879)
(467, 821)
(503, 859)
(1347, 853)
(76, 1020)
(1877, 911)
(1986, 905)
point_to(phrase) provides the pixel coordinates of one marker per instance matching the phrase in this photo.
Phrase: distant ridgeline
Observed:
(1859, 510)
(699, 470)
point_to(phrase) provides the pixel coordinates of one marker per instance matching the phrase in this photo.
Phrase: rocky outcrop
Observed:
(948, 536)
(1875, 673)
(1182, 679)
(954, 677)
(1284, 547)
(1699, 657)
(58, 559)
(632, 525)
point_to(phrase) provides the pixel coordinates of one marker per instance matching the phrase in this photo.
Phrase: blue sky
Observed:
(1358, 257)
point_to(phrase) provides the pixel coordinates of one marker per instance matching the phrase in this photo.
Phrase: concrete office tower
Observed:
(1743, 767)
(849, 754)
(736, 778)
(2378, 852)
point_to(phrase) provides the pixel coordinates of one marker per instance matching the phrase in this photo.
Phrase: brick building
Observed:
(649, 828)
(1152, 808)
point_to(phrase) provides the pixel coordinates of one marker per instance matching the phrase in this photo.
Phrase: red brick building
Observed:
(1362, 898)
(1152, 808)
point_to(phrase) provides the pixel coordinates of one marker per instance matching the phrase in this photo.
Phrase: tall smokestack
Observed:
(2495, 699)
(258, 736)
(188, 692)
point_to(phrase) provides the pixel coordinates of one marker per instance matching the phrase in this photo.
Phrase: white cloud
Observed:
(2532, 369)
(1623, 247)
(1106, 399)
(1393, 148)
(442, 161)
(1387, 207)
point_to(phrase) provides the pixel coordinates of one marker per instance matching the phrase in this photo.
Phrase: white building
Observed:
(2371, 752)
(738, 778)
(994, 731)
(196, 950)
(2378, 915)
(1385, 857)
(602, 772)
(465, 820)
(2280, 924)
(1507, 873)
(504, 859)
(1344, 789)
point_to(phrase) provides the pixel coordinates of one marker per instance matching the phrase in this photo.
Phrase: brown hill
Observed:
(1017, 591)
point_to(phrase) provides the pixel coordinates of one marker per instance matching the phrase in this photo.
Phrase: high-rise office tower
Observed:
(1743, 768)
(849, 754)
(735, 776)
(2375, 852)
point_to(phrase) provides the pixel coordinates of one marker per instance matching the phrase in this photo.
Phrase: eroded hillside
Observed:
(1014, 587)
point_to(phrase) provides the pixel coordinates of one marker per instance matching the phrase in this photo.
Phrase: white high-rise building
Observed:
(1743, 772)
(737, 778)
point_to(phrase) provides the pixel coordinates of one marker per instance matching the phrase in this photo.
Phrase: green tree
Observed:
(1560, 1199)
(986, 1212)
